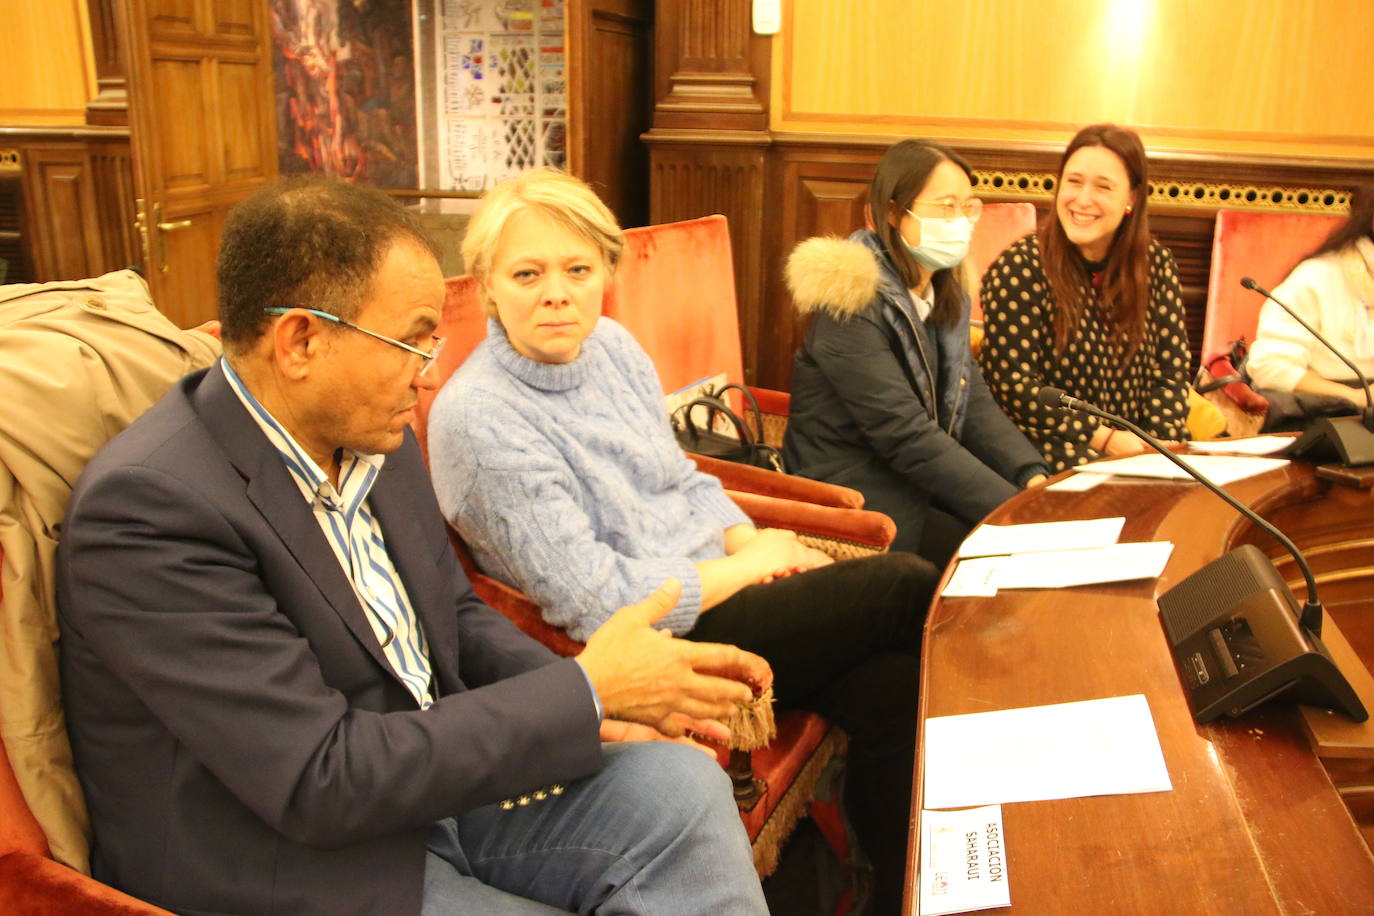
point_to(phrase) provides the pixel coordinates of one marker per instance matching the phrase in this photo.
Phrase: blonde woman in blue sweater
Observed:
(552, 454)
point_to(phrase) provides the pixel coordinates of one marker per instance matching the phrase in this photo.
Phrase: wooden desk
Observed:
(1255, 823)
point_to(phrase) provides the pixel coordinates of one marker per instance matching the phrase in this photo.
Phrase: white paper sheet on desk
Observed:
(1067, 750)
(1067, 568)
(1250, 445)
(972, 579)
(963, 861)
(1076, 483)
(991, 540)
(1220, 469)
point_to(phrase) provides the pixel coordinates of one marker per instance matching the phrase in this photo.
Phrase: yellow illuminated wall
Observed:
(1282, 76)
(46, 71)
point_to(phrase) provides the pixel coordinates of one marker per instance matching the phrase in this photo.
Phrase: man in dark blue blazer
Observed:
(282, 693)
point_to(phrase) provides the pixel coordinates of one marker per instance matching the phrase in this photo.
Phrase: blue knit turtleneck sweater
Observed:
(567, 483)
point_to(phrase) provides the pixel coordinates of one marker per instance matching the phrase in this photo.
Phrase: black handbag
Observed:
(749, 448)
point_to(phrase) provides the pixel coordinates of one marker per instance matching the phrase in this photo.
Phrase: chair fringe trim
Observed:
(768, 844)
(753, 726)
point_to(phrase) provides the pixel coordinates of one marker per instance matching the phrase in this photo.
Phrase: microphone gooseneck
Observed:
(1311, 615)
(1368, 418)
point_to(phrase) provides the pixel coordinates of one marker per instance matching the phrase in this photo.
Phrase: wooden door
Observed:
(611, 100)
(202, 128)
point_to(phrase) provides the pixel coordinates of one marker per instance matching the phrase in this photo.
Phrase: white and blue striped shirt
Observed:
(356, 539)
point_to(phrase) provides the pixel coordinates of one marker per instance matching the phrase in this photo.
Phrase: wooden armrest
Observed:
(748, 479)
(772, 401)
(863, 528)
(513, 603)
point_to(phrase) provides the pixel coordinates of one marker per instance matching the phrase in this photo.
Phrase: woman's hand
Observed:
(776, 552)
(1118, 443)
(1121, 443)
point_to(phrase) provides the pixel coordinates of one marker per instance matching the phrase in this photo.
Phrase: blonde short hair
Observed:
(567, 200)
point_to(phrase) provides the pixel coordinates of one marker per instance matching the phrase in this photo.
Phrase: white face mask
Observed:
(944, 242)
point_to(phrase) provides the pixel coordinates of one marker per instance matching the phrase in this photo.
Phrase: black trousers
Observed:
(844, 641)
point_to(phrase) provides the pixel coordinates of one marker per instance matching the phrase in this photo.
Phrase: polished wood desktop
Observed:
(1257, 821)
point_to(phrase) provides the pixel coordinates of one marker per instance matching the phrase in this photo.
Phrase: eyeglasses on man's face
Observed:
(949, 208)
(426, 358)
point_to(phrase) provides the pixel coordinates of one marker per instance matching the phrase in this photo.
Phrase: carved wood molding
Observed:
(111, 103)
(712, 72)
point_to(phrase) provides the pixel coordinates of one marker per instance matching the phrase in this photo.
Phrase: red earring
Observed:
(1128, 209)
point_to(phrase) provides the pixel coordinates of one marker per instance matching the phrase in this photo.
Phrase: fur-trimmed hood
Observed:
(838, 276)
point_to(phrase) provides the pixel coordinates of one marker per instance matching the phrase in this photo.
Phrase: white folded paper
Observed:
(1077, 483)
(1066, 750)
(991, 540)
(1251, 445)
(1220, 469)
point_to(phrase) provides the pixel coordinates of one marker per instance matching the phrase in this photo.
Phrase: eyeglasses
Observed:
(948, 209)
(427, 358)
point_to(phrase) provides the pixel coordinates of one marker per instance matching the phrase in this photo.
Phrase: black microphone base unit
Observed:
(1233, 629)
(1343, 439)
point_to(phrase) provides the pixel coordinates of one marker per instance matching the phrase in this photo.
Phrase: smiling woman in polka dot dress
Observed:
(1091, 304)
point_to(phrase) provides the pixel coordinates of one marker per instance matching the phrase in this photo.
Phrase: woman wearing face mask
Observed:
(1091, 304)
(886, 397)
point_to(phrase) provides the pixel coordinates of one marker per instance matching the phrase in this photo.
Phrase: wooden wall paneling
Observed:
(14, 242)
(61, 213)
(610, 102)
(710, 71)
(815, 196)
(691, 180)
(112, 173)
(1155, 63)
(708, 148)
(111, 103)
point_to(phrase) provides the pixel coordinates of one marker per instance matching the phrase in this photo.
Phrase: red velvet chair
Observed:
(996, 229)
(1262, 245)
(675, 292)
(777, 783)
(31, 882)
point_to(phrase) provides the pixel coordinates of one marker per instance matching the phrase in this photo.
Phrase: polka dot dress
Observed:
(1018, 356)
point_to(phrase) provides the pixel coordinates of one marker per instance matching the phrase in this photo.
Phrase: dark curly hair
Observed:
(305, 242)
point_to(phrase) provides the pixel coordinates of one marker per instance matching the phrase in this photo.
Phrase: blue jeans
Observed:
(654, 832)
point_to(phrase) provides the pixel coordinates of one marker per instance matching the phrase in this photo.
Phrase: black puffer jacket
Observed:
(874, 409)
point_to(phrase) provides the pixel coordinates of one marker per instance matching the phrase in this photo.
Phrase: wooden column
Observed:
(709, 143)
(111, 103)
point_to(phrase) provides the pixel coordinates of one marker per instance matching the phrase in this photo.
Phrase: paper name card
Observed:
(1251, 445)
(1220, 469)
(990, 540)
(1065, 750)
(963, 861)
(1092, 566)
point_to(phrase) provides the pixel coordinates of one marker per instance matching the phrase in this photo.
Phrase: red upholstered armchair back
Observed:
(19, 829)
(463, 325)
(675, 292)
(996, 229)
(1265, 246)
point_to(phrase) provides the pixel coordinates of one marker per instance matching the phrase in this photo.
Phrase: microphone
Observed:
(1255, 647)
(1344, 438)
